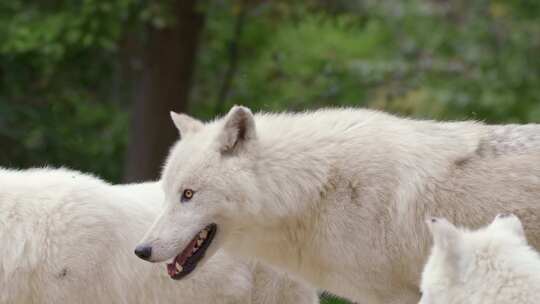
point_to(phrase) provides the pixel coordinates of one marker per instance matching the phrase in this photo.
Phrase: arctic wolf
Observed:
(492, 265)
(67, 237)
(339, 197)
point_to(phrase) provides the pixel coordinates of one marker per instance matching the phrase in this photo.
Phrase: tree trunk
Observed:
(165, 82)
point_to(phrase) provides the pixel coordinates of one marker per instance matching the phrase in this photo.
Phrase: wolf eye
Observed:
(187, 195)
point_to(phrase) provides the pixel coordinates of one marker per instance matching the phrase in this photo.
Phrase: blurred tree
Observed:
(58, 83)
(233, 57)
(425, 58)
(166, 76)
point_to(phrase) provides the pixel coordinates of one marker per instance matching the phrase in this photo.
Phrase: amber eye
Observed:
(187, 195)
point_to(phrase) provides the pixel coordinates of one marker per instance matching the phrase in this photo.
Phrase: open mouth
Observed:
(185, 262)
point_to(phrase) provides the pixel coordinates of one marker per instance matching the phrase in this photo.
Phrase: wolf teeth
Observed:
(199, 242)
(179, 268)
(203, 234)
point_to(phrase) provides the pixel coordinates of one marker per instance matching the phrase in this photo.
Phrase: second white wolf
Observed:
(68, 237)
(492, 265)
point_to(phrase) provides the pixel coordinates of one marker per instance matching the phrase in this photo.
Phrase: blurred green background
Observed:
(88, 84)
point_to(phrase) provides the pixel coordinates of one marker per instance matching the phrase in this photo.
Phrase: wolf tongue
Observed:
(171, 269)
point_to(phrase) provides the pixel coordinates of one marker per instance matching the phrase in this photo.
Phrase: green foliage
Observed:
(57, 84)
(51, 31)
(75, 134)
(323, 72)
(464, 60)
(327, 298)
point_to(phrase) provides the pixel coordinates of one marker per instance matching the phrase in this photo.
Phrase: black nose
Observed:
(143, 251)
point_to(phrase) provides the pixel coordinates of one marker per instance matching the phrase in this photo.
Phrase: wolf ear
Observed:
(445, 235)
(510, 222)
(238, 130)
(185, 123)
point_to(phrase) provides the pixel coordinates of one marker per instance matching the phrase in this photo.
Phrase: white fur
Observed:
(338, 197)
(66, 237)
(492, 265)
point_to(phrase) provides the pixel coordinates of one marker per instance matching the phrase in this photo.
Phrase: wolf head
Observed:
(206, 180)
(456, 254)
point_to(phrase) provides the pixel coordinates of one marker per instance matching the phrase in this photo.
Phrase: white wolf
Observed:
(339, 197)
(492, 265)
(68, 237)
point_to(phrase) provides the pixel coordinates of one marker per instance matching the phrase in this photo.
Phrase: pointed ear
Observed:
(510, 222)
(238, 130)
(445, 235)
(185, 123)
